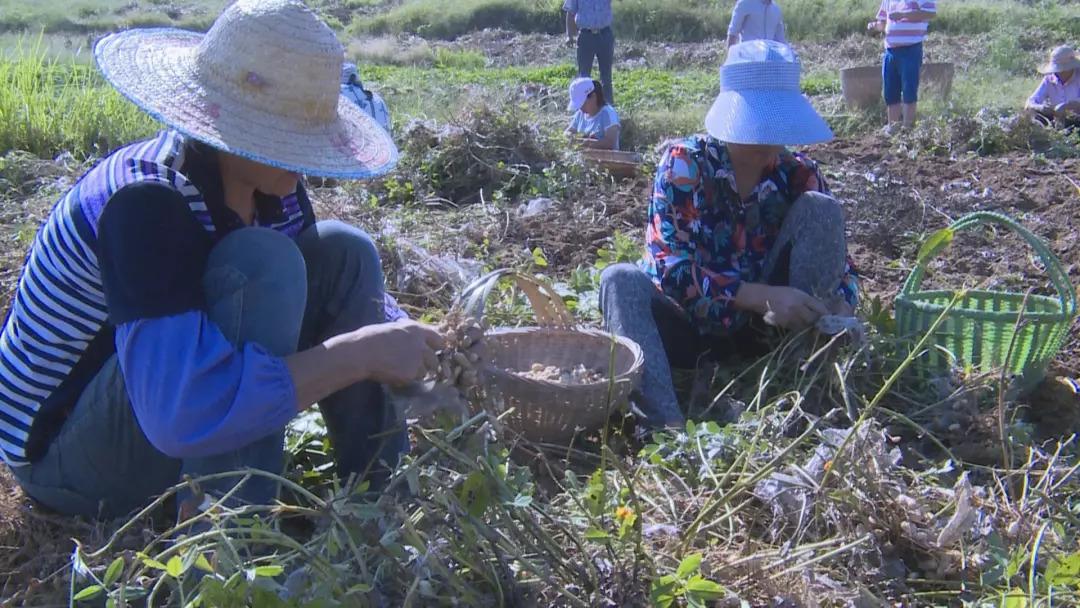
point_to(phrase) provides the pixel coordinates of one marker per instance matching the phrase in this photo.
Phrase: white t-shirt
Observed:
(595, 126)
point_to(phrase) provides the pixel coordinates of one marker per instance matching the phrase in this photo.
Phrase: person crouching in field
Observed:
(594, 124)
(1057, 100)
(738, 229)
(181, 304)
(905, 23)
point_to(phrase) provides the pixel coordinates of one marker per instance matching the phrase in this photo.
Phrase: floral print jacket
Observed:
(702, 243)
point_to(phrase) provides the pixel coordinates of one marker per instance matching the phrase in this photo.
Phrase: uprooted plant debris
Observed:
(486, 149)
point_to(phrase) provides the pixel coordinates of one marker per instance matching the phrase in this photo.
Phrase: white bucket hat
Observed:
(1062, 59)
(760, 101)
(262, 83)
(579, 92)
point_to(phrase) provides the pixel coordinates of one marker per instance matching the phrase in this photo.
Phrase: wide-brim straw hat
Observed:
(760, 101)
(263, 83)
(1062, 59)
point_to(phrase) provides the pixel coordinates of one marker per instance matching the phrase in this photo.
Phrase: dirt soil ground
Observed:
(891, 201)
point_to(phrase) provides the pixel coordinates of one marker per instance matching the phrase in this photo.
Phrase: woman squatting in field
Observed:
(1057, 99)
(740, 232)
(182, 304)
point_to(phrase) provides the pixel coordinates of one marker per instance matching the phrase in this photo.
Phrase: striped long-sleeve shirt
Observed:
(116, 269)
(898, 30)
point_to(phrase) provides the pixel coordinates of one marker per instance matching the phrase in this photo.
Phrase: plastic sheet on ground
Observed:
(791, 492)
(421, 272)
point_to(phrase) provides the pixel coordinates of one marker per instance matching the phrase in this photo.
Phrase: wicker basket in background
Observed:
(543, 411)
(861, 86)
(988, 330)
(617, 163)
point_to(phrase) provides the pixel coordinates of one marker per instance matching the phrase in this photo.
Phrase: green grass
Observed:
(79, 16)
(653, 104)
(694, 20)
(53, 105)
(691, 20)
(451, 18)
(634, 88)
(49, 106)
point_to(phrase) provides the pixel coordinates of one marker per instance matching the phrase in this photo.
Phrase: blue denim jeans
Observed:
(900, 74)
(260, 287)
(601, 46)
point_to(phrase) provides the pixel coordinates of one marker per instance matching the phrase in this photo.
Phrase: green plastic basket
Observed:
(984, 330)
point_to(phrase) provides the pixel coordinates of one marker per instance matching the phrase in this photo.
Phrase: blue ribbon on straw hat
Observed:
(760, 101)
(263, 83)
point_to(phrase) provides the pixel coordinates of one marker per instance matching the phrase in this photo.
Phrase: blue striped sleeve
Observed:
(194, 393)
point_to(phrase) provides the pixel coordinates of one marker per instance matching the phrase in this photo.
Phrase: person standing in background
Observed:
(756, 20)
(589, 23)
(905, 23)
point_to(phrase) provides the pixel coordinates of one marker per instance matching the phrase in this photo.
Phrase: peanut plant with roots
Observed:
(811, 493)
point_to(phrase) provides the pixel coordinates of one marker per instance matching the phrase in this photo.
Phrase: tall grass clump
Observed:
(448, 19)
(636, 19)
(89, 16)
(671, 22)
(52, 106)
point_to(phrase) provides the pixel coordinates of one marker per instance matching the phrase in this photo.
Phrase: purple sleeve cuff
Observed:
(391, 309)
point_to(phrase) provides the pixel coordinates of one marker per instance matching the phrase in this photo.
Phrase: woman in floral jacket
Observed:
(739, 228)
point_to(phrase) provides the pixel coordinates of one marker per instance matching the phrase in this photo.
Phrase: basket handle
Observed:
(1058, 276)
(547, 304)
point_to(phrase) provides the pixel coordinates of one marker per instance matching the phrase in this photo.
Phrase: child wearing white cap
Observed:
(595, 124)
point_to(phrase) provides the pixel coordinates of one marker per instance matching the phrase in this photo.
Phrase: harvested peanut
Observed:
(554, 373)
(460, 359)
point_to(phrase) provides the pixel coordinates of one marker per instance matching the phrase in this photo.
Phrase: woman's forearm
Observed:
(323, 370)
(752, 297)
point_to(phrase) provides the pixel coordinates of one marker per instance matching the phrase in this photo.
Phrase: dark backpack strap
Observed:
(352, 92)
(354, 84)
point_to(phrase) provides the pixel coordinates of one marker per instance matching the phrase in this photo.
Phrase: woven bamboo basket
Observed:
(988, 330)
(617, 163)
(544, 411)
(861, 86)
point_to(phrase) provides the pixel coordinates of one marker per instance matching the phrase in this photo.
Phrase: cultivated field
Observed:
(898, 491)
